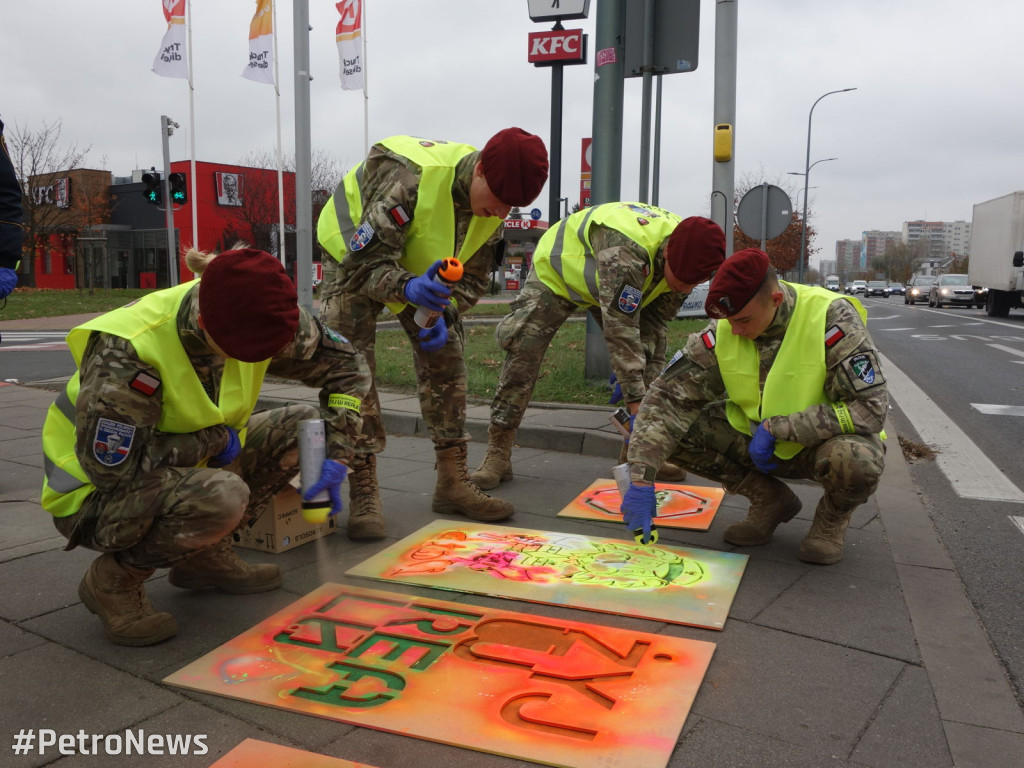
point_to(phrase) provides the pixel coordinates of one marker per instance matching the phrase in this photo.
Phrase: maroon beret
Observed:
(515, 165)
(695, 250)
(248, 304)
(737, 281)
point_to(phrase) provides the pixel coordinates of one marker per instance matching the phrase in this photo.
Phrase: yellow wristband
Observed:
(845, 419)
(344, 401)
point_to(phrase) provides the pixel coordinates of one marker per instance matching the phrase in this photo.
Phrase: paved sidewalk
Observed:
(877, 661)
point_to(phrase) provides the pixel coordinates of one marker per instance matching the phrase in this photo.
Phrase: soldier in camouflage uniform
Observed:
(413, 202)
(789, 386)
(153, 456)
(632, 265)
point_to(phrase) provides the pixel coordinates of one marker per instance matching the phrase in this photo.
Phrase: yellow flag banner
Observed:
(171, 60)
(261, 44)
(350, 44)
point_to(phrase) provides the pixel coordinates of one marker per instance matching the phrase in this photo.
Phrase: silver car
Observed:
(951, 289)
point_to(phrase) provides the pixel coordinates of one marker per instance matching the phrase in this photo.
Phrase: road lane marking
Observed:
(1018, 521)
(999, 410)
(971, 473)
(1011, 350)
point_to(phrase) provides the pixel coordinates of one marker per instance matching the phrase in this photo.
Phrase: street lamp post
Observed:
(807, 175)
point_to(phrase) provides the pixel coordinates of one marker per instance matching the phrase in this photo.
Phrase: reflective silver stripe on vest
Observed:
(346, 225)
(65, 406)
(589, 264)
(58, 479)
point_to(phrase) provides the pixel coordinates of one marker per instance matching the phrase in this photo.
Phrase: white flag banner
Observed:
(261, 44)
(350, 44)
(171, 61)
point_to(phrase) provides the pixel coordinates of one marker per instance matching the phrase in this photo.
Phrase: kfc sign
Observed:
(557, 46)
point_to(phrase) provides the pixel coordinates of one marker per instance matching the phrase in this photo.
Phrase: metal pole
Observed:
(723, 174)
(645, 103)
(172, 249)
(656, 175)
(606, 150)
(807, 176)
(303, 155)
(764, 214)
(555, 148)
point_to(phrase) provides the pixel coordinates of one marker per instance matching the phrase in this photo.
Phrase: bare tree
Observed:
(39, 153)
(784, 250)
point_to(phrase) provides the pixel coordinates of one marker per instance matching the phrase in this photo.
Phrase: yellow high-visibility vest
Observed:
(431, 234)
(150, 325)
(565, 262)
(796, 380)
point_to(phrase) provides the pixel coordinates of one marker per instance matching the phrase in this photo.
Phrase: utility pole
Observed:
(303, 158)
(723, 171)
(167, 127)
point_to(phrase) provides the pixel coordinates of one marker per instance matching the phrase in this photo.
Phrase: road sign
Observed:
(676, 37)
(558, 10)
(764, 212)
(535, 214)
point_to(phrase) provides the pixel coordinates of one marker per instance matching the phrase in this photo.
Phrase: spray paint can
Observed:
(312, 452)
(622, 478)
(449, 274)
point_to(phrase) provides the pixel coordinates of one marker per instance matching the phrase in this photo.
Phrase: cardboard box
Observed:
(280, 527)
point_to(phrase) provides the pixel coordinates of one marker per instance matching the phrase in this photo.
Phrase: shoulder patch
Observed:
(144, 383)
(399, 214)
(113, 442)
(833, 335)
(708, 339)
(331, 336)
(863, 371)
(362, 237)
(629, 299)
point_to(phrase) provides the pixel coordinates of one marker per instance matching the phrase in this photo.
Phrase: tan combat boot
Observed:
(220, 567)
(457, 495)
(497, 464)
(365, 517)
(114, 592)
(823, 544)
(771, 503)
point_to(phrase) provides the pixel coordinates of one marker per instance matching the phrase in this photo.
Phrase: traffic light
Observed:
(152, 191)
(179, 188)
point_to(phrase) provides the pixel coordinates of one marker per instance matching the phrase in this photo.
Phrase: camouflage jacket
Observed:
(316, 356)
(12, 233)
(635, 340)
(694, 380)
(390, 180)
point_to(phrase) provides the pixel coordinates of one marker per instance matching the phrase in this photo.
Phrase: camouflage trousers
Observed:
(169, 513)
(848, 467)
(440, 375)
(525, 334)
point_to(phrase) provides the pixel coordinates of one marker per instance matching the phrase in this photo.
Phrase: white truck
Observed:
(997, 252)
(832, 283)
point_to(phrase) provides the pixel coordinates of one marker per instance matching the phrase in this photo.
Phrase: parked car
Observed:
(694, 304)
(876, 288)
(897, 289)
(917, 289)
(951, 289)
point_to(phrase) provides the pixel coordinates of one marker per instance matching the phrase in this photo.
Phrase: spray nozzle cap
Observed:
(451, 270)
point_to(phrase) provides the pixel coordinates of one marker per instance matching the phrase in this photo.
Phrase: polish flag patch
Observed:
(400, 216)
(144, 383)
(833, 335)
(708, 337)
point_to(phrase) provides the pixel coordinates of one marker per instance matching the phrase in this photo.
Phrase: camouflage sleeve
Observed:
(621, 271)
(118, 408)
(654, 330)
(372, 267)
(854, 383)
(321, 357)
(691, 381)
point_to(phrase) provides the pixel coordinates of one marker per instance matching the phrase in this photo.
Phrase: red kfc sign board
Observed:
(557, 46)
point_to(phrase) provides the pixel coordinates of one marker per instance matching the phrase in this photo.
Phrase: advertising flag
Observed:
(171, 61)
(350, 44)
(261, 44)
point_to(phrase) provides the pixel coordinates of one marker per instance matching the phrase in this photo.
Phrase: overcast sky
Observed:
(934, 126)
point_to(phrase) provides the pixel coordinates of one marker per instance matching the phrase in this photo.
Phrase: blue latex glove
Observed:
(616, 391)
(8, 280)
(639, 508)
(762, 449)
(435, 337)
(332, 475)
(230, 453)
(632, 421)
(424, 292)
